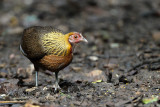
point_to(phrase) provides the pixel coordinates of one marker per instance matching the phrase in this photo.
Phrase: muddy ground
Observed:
(120, 66)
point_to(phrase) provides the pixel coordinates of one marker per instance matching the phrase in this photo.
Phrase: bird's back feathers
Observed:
(40, 41)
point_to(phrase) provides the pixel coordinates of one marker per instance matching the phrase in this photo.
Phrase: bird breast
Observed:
(55, 63)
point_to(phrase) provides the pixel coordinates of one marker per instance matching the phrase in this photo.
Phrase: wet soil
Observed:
(120, 66)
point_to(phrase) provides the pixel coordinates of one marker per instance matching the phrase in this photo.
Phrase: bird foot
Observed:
(56, 88)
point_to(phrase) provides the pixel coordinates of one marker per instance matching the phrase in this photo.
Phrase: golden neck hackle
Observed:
(57, 43)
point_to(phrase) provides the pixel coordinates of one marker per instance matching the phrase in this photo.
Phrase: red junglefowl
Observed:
(49, 49)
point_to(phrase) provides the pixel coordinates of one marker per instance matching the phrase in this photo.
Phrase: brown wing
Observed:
(30, 43)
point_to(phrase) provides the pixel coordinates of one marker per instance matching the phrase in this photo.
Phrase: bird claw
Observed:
(57, 88)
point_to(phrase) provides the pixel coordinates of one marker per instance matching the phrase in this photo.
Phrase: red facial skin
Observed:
(76, 38)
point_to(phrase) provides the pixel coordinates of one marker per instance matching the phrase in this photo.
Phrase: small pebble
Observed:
(93, 58)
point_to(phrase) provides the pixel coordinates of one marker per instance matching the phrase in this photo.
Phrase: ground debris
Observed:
(2, 103)
(148, 61)
(77, 69)
(156, 36)
(135, 99)
(96, 75)
(8, 87)
(93, 58)
(31, 89)
(32, 103)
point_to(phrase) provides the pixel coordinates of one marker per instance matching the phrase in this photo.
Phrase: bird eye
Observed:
(75, 36)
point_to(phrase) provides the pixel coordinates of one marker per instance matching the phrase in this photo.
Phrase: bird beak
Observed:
(84, 40)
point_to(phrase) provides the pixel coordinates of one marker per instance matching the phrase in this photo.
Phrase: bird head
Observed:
(75, 37)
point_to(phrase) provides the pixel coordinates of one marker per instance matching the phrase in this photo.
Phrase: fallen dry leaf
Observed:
(111, 66)
(28, 104)
(96, 75)
(156, 35)
(31, 89)
(2, 65)
(77, 69)
(97, 81)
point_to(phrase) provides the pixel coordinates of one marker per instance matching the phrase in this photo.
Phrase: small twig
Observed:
(82, 100)
(21, 98)
(11, 102)
(135, 99)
